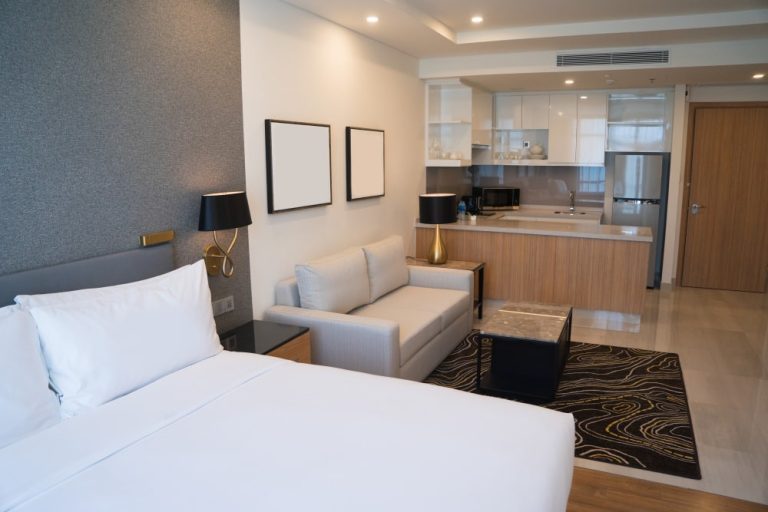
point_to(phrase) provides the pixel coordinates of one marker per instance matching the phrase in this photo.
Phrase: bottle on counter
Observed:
(462, 210)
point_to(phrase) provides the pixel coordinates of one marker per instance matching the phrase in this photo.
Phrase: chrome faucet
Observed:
(572, 200)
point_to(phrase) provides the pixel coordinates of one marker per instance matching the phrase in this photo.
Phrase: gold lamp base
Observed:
(437, 254)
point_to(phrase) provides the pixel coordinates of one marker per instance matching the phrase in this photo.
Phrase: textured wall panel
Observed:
(114, 118)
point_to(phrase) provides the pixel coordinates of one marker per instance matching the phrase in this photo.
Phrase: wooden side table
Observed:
(270, 338)
(473, 266)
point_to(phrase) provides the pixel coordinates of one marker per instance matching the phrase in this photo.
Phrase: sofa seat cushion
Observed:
(417, 327)
(448, 304)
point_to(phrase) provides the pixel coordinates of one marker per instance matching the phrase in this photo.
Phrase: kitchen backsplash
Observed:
(538, 184)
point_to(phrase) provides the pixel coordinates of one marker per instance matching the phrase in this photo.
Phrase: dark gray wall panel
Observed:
(114, 118)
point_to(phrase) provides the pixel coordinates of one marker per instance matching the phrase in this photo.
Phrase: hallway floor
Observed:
(722, 340)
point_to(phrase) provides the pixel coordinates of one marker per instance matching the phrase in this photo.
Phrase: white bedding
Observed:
(247, 432)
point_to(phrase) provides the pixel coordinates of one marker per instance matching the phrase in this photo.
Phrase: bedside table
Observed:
(270, 338)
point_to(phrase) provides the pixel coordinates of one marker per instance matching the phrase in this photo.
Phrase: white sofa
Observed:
(369, 311)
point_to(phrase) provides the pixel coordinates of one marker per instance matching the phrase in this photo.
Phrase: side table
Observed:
(529, 348)
(473, 266)
(270, 338)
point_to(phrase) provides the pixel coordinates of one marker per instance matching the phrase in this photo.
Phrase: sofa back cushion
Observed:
(337, 283)
(387, 269)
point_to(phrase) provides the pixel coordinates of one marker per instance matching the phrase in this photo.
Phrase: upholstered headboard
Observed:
(109, 270)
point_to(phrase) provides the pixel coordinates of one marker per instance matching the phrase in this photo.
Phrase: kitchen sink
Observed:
(570, 213)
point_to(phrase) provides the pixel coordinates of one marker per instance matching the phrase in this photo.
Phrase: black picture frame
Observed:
(365, 163)
(298, 165)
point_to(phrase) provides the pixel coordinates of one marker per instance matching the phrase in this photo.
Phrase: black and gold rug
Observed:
(630, 404)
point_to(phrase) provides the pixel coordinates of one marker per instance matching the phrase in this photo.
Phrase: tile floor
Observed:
(722, 340)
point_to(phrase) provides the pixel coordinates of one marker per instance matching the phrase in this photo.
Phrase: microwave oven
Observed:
(496, 198)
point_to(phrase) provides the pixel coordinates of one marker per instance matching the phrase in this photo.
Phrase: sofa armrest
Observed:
(431, 277)
(363, 344)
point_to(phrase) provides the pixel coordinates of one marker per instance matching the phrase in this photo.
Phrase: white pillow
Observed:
(387, 269)
(337, 283)
(52, 299)
(26, 403)
(121, 339)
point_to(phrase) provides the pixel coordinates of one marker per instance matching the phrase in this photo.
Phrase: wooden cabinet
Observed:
(298, 350)
(586, 273)
(458, 118)
(563, 114)
(590, 133)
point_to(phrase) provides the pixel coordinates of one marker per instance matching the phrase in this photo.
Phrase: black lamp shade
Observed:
(437, 208)
(224, 210)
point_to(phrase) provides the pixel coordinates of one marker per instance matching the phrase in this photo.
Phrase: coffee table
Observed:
(529, 347)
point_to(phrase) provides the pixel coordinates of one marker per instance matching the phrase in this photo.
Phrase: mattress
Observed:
(248, 432)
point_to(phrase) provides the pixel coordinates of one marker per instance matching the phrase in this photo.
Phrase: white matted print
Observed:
(365, 163)
(298, 165)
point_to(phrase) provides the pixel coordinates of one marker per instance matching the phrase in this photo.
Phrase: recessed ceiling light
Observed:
(758, 76)
(583, 97)
(477, 19)
(372, 19)
(569, 82)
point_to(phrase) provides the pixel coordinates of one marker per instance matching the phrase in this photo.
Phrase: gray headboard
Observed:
(109, 270)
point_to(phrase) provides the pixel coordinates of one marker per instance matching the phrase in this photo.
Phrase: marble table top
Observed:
(542, 322)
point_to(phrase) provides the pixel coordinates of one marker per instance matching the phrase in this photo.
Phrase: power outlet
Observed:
(224, 305)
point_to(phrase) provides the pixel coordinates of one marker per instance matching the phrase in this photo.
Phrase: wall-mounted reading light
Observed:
(220, 211)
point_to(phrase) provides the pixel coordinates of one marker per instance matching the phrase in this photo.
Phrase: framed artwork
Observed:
(365, 163)
(298, 165)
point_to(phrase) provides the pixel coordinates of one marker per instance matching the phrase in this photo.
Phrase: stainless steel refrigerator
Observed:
(640, 185)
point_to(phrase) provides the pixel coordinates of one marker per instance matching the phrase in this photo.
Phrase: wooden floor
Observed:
(594, 491)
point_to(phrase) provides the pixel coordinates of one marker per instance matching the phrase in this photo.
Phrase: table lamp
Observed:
(437, 209)
(220, 211)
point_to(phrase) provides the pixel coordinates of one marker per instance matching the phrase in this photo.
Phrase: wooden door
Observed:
(726, 224)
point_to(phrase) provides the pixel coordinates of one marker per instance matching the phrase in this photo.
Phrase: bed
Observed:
(234, 431)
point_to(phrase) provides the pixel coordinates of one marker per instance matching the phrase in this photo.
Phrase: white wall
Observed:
(298, 67)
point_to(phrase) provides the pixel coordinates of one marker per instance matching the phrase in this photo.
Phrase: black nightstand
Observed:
(270, 338)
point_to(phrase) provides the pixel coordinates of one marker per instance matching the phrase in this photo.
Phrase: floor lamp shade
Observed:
(437, 209)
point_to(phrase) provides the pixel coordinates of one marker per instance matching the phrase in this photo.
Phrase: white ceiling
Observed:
(441, 29)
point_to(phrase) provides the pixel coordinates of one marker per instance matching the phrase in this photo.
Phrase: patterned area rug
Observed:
(630, 404)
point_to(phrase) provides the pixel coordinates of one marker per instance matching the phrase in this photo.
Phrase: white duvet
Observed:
(246, 432)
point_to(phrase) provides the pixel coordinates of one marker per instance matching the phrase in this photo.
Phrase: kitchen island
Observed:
(588, 266)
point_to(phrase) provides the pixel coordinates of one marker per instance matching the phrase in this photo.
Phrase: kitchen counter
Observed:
(586, 265)
(561, 228)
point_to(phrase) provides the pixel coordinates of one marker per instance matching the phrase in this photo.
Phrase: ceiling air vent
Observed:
(614, 58)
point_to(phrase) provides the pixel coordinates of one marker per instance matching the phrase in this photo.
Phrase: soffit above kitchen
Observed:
(441, 34)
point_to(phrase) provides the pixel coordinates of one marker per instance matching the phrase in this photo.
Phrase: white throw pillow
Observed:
(387, 269)
(337, 283)
(26, 403)
(125, 337)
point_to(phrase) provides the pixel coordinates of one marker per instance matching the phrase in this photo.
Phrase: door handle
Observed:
(695, 208)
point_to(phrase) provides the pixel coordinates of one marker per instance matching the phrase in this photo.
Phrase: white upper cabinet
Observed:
(482, 117)
(509, 112)
(459, 118)
(640, 121)
(592, 116)
(535, 112)
(562, 128)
